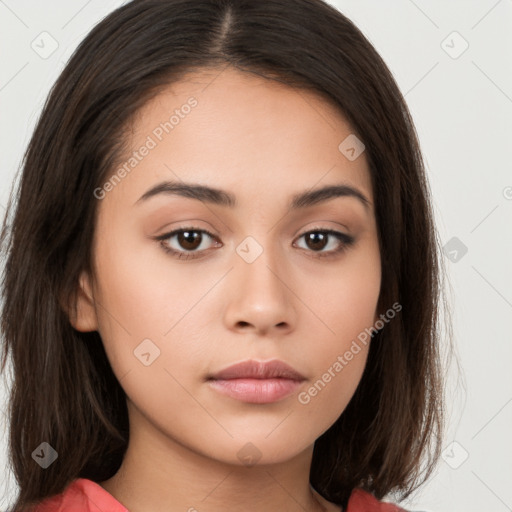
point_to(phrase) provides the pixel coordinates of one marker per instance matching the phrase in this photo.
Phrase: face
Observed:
(255, 278)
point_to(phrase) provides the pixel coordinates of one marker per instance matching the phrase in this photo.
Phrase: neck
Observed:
(158, 474)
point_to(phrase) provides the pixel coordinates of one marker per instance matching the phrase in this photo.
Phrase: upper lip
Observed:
(258, 370)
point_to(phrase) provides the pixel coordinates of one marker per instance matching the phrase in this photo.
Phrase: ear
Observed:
(83, 311)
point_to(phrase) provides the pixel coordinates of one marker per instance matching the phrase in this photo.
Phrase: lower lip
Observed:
(257, 391)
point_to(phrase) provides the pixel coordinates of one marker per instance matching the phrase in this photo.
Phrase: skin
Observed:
(262, 141)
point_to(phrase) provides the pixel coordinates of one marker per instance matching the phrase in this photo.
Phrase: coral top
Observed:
(84, 495)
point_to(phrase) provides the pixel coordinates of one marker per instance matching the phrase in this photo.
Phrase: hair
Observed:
(64, 391)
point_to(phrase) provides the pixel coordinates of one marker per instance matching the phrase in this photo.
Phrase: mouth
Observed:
(257, 382)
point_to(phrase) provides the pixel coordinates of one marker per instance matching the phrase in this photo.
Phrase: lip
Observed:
(253, 369)
(257, 382)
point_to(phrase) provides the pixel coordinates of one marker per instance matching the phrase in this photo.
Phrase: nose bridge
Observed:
(259, 260)
(260, 242)
(259, 296)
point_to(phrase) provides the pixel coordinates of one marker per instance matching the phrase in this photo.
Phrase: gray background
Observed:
(461, 102)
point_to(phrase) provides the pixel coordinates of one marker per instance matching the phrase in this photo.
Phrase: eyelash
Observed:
(346, 242)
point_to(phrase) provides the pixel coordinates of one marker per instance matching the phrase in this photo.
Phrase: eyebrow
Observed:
(227, 199)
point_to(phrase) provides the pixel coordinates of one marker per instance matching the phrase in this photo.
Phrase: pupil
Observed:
(189, 237)
(315, 237)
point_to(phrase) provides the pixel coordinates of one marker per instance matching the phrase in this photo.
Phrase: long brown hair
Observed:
(64, 391)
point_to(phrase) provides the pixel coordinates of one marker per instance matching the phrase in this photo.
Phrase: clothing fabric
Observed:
(84, 495)
(361, 501)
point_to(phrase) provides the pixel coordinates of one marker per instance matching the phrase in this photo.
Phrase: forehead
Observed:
(239, 131)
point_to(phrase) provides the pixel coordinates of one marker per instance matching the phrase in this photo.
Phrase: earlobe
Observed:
(83, 312)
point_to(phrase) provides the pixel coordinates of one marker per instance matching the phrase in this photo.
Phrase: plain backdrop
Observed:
(453, 62)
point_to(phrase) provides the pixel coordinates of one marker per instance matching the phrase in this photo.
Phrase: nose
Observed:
(260, 292)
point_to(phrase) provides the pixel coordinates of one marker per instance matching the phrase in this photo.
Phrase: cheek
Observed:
(339, 353)
(344, 297)
(145, 290)
(345, 311)
(152, 340)
(142, 304)
(329, 393)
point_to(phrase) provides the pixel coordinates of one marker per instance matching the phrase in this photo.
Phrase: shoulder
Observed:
(362, 501)
(81, 495)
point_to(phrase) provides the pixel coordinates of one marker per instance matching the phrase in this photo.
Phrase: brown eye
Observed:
(188, 242)
(319, 239)
(316, 240)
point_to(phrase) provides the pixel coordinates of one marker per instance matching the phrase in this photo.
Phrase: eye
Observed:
(190, 241)
(189, 238)
(319, 238)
